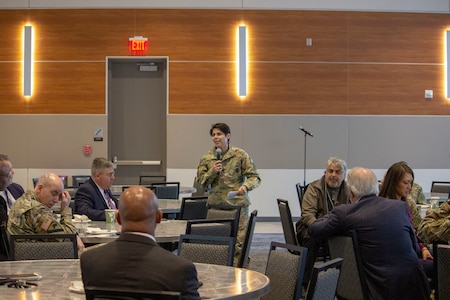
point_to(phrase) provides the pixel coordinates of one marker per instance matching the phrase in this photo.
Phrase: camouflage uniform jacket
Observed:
(28, 216)
(238, 170)
(435, 227)
(415, 215)
(417, 194)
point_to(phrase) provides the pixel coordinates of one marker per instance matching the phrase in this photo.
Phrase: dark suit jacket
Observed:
(387, 243)
(89, 201)
(137, 262)
(17, 191)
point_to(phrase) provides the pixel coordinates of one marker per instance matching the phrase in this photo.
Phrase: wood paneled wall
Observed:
(359, 63)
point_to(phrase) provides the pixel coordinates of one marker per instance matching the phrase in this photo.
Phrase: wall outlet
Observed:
(428, 94)
(308, 41)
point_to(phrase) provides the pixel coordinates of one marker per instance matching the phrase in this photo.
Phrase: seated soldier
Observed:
(32, 213)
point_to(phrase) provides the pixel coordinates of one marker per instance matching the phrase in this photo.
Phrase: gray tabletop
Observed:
(219, 282)
(167, 231)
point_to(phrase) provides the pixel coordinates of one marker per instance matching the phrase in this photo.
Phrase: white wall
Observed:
(365, 5)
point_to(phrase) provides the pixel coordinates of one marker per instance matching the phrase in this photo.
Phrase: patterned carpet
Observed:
(259, 249)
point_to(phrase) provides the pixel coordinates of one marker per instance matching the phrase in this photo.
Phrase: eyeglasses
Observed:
(8, 174)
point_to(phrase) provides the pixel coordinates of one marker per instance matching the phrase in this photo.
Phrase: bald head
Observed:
(138, 210)
(49, 189)
(362, 182)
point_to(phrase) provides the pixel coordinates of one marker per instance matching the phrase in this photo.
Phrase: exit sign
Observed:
(137, 45)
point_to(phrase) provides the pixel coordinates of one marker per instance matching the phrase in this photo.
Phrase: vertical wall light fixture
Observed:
(242, 60)
(447, 65)
(27, 60)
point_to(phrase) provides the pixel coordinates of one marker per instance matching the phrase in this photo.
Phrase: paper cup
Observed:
(110, 215)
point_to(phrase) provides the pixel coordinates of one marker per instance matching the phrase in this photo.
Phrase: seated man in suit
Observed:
(94, 196)
(134, 260)
(9, 192)
(320, 198)
(387, 241)
(32, 213)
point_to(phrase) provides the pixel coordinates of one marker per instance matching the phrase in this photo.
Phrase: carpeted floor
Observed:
(259, 249)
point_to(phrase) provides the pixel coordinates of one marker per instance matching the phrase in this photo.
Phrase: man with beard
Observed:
(319, 199)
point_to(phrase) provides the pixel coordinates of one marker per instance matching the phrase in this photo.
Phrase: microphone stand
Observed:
(306, 132)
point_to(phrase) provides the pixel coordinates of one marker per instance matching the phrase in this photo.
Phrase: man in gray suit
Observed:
(388, 244)
(134, 260)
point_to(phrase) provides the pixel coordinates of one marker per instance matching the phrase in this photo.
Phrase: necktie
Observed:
(8, 200)
(109, 200)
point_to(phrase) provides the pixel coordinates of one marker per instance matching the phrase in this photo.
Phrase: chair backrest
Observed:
(285, 271)
(166, 190)
(64, 180)
(300, 192)
(286, 222)
(43, 246)
(4, 243)
(351, 284)
(324, 280)
(116, 293)
(222, 211)
(193, 208)
(214, 227)
(298, 188)
(245, 251)
(78, 180)
(217, 250)
(149, 179)
(199, 189)
(443, 272)
(440, 187)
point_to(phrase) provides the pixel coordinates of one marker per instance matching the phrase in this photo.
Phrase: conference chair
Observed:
(300, 192)
(324, 280)
(440, 187)
(222, 211)
(213, 227)
(351, 284)
(149, 179)
(285, 271)
(245, 251)
(218, 250)
(93, 293)
(43, 246)
(78, 180)
(193, 208)
(443, 272)
(289, 232)
(166, 190)
(286, 222)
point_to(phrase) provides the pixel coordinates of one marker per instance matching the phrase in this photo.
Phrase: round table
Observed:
(219, 282)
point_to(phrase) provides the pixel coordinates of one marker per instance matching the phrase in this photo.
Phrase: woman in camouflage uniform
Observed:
(224, 169)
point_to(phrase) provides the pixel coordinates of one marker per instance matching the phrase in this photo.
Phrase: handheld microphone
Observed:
(218, 153)
(306, 131)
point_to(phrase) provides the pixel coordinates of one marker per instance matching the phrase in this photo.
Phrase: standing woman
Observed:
(224, 169)
(397, 185)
